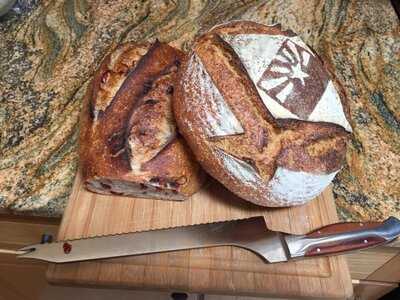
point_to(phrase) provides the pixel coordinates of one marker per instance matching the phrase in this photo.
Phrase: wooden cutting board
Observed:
(224, 270)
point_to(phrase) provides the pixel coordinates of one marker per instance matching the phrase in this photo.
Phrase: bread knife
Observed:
(251, 234)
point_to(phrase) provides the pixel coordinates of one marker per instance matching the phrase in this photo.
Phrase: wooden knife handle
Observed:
(342, 227)
(342, 246)
(342, 237)
(345, 246)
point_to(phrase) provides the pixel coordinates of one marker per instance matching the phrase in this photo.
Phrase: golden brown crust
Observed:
(151, 126)
(128, 131)
(312, 147)
(246, 162)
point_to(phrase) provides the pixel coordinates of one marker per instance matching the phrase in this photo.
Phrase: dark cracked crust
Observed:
(267, 143)
(128, 140)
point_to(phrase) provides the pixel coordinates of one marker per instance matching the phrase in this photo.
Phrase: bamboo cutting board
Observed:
(223, 270)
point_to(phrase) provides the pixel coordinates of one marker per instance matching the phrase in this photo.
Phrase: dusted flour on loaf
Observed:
(261, 113)
(217, 118)
(289, 78)
(297, 186)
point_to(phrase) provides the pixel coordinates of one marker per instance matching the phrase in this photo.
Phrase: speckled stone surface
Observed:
(50, 49)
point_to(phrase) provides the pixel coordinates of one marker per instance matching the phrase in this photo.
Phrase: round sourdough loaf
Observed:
(261, 114)
(128, 140)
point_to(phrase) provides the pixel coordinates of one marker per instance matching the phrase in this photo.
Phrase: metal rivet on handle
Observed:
(318, 250)
(365, 242)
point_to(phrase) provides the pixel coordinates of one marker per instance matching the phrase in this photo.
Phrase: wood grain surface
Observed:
(223, 270)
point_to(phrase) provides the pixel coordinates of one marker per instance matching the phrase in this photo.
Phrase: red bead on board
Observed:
(67, 248)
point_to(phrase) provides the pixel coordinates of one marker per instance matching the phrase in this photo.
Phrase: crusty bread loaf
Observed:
(128, 140)
(261, 114)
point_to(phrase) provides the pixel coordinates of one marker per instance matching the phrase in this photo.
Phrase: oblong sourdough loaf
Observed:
(128, 140)
(261, 114)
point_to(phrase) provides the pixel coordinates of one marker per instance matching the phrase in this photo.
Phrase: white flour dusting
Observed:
(239, 169)
(256, 51)
(215, 115)
(305, 57)
(282, 95)
(270, 84)
(330, 109)
(277, 110)
(298, 186)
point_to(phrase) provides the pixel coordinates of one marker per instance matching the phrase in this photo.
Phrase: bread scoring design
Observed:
(241, 170)
(270, 160)
(284, 71)
(217, 117)
(329, 109)
(110, 81)
(291, 75)
(151, 126)
(128, 140)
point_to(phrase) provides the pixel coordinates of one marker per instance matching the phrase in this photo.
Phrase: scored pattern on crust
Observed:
(289, 78)
(287, 187)
(294, 72)
(278, 63)
(129, 142)
(120, 63)
(152, 125)
(239, 169)
(215, 115)
(326, 109)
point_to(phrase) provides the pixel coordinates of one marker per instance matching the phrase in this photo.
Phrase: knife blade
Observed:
(251, 234)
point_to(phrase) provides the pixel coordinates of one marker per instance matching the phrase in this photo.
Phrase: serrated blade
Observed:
(251, 234)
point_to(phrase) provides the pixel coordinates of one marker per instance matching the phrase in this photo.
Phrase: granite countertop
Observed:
(50, 49)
